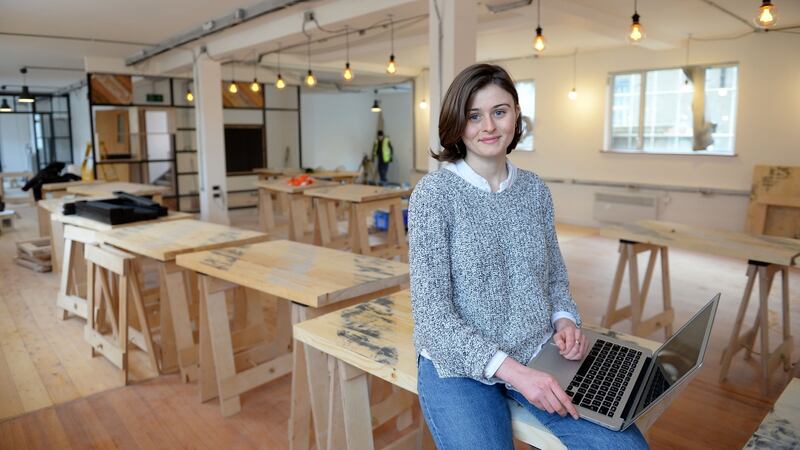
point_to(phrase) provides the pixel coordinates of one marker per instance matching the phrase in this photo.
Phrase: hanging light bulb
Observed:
(25, 96)
(376, 107)
(5, 107)
(766, 15)
(423, 104)
(636, 33)
(539, 42)
(348, 73)
(279, 83)
(391, 68)
(573, 94)
(232, 88)
(189, 95)
(254, 86)
(310, 79)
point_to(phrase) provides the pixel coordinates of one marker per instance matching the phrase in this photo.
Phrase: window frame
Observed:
(607, 144)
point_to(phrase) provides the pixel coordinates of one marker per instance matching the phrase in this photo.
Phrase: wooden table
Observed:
(343, 176)
(266, 173)
(375, 338)
(291, 196)
(779, 429)
(162, 242)
(108, 189)
(70, 235)
(765, 255)
(363, 200)
(315, 280)
(55, 190)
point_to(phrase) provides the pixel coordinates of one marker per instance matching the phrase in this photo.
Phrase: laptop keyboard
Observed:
(603, 377)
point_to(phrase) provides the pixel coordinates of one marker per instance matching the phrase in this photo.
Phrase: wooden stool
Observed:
(628, 252)
(108, 268)
(765, 273)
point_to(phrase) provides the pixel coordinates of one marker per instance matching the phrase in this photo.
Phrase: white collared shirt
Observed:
(467, 173)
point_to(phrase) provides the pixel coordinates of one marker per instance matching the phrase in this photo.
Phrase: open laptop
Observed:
(619, 381)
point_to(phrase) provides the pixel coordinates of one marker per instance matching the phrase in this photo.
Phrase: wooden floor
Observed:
(53, 395)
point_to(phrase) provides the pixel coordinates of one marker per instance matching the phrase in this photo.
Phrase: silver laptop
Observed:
(619, 381)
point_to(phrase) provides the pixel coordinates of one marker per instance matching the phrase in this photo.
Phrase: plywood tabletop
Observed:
(94, 190)
(306, 274)
(270, 172)
(336, 174)
(164, 240)
(376, 337)
(94, 225)
(357, 193)
(50, 187)
(283, 185)
(56, 205)
(767, 249)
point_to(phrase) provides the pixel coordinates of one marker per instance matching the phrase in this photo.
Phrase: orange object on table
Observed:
(301, 180)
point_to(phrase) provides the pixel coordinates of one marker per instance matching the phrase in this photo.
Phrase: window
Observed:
(526, 90)
(659, 111)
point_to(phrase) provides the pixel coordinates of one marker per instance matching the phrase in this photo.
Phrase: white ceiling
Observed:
(568, 24)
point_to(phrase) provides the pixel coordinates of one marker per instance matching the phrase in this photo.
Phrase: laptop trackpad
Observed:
(550, 360)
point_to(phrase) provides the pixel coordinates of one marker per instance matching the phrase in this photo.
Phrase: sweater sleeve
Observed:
(560, 296)
(455, 347)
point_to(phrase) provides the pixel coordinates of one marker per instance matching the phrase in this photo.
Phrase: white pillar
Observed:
(210, 140)
(452, 34)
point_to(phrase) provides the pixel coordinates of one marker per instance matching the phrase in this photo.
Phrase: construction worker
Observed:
(382, 152)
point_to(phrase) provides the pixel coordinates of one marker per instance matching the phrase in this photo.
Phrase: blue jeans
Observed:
(465, 414)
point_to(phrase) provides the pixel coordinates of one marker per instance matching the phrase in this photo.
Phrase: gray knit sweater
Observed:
(486, 271)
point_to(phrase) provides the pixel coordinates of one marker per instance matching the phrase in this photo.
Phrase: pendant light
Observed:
(539, 42)
(348, 73)
(311, 81)
(189, 95)
(279, 83)
(25, 96)
(423, 104)
(636, 33)
(391, 68)
(376, 107)
(573, 94)
(766, 17)
(5, 107)
(232, 88)
(255, 86)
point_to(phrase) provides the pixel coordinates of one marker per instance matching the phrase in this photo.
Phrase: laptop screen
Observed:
(682, 353)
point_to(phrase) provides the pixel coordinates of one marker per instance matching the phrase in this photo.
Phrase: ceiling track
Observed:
(210, 27)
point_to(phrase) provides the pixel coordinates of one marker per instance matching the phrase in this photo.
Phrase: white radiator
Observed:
(624, 208)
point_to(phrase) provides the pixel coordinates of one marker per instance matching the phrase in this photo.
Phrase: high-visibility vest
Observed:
(386, 150)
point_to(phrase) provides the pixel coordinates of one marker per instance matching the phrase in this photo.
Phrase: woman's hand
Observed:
(539, 388)
(572, 344)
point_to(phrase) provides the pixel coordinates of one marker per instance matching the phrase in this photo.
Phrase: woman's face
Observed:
(491, 119)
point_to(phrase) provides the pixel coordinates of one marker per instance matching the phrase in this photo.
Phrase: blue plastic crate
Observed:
(382, 219)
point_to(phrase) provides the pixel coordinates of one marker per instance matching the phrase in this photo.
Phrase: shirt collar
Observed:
(462, 169)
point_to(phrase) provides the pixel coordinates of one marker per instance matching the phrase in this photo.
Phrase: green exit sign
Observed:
(155, 98)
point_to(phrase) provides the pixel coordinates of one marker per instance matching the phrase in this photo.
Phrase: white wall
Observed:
(570, 135)
(338, 129)
(16, 142)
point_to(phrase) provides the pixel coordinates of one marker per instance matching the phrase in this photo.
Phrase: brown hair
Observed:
(453, 116)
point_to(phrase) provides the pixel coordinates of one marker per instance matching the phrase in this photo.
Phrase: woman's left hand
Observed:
(572, 344)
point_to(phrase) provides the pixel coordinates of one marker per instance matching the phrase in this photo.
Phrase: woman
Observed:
(488, 283)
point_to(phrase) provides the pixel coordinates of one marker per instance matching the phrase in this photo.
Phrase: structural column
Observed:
(452, 35)
(210, 140)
